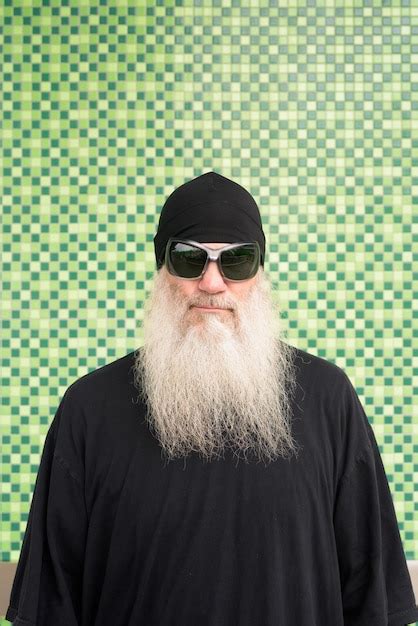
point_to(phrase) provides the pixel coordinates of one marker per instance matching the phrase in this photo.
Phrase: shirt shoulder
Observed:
(317, 376)
(104, 379)
(331, 411)
(85, 406)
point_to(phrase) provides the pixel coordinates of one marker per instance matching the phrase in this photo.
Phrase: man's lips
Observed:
(210, 308)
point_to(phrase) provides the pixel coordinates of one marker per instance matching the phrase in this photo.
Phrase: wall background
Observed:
(106, 106)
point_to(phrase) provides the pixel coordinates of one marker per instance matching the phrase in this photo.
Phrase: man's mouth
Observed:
(210, 309)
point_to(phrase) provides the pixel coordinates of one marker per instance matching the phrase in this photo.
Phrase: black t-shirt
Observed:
(117, 536)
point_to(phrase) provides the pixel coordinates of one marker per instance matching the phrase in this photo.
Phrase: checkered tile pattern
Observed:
(107, 105)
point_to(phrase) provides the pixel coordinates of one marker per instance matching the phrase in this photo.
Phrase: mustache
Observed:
(212, 301)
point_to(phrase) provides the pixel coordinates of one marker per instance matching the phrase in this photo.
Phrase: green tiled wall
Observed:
(106, 106)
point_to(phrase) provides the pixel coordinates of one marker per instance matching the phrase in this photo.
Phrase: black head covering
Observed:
(209, 208)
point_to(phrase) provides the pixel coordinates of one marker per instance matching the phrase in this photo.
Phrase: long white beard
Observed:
(213, 380)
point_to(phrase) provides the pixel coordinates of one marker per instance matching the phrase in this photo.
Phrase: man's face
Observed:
(212, 293)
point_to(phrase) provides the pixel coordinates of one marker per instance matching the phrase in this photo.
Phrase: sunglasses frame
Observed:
(212, 255)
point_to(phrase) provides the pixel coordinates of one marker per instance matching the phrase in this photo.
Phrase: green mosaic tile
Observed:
(107, 105)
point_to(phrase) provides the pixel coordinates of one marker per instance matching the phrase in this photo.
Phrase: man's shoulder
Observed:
(318, 372)
(105, 378)
(304, 358)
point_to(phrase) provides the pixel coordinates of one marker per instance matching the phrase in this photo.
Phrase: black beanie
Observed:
(209, 208)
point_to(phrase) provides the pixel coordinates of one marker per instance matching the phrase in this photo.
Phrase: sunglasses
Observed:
(189, 259)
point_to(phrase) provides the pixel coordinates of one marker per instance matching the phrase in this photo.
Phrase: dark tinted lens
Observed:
(240, 263)
(186, 260)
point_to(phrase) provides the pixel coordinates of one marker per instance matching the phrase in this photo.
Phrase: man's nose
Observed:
(212, 280)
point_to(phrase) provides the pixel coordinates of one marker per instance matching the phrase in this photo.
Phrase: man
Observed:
(216, 476)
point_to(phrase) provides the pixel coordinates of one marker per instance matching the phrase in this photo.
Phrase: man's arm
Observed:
(47, 588)
(376, 586)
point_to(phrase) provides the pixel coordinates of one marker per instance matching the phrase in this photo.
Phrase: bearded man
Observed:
(216, 476)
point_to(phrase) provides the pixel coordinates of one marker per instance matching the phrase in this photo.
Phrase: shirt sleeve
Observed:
(47, 588)
(375, 582)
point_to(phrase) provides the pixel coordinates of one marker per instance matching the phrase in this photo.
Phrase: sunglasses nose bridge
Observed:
(213, 255)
